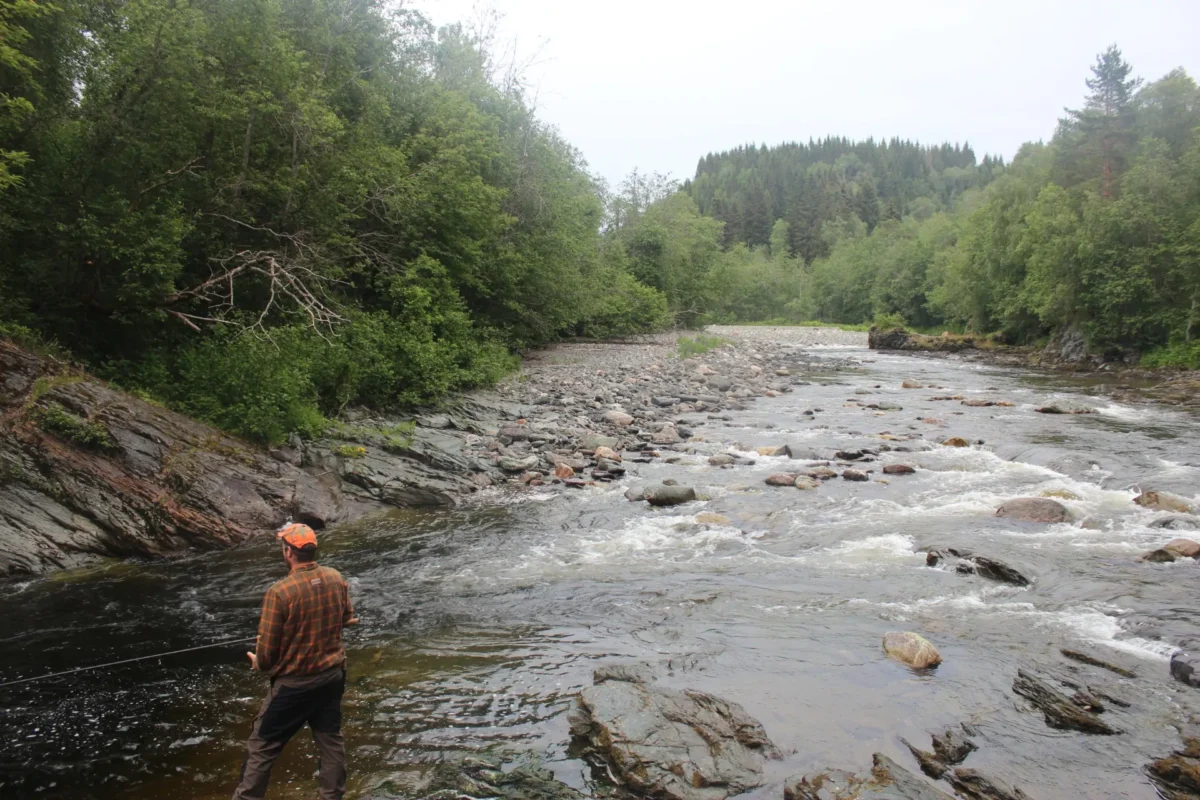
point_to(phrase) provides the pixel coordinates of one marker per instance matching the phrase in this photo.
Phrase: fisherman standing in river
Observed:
(300, 648)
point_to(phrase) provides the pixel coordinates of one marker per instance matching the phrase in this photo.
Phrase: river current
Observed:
(478, 624)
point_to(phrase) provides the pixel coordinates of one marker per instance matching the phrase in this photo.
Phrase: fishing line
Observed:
(127, 661)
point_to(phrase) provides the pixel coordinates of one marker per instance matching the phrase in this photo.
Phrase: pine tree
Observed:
(1098, 139)
(866, 205)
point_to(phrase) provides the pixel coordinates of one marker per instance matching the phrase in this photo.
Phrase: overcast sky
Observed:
(656, 84)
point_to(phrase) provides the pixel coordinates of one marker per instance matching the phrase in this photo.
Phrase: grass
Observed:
(698, 345)
(349, 451)
(90, 434)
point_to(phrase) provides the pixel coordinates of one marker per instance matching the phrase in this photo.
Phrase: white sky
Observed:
(656, 84)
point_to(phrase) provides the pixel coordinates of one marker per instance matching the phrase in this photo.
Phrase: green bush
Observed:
(1185, 355)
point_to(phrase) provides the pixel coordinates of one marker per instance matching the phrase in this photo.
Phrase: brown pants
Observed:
(292, 702)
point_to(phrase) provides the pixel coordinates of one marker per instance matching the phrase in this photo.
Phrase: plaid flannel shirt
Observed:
(300, 631)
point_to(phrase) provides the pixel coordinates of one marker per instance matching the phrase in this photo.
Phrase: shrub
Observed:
(1185, 355)
(702, 343)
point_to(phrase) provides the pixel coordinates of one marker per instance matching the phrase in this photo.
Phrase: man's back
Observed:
(300, 632)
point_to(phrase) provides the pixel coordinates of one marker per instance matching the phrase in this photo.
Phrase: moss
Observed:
(90, 434)
(47, 383)
(349, 450)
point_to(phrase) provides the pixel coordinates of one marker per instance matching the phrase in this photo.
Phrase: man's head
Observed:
(299, 544)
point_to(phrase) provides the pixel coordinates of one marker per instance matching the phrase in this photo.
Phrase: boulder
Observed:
(665, 402)
(887, 781)
(805, 482)
(1058, 709)
(514, 433)
(668, 435)
(607, 453)
(781, 479)
(773, 450)
(912, 649)
(1034, 509)
(611, 467)
(956, 441)
(1182, 548)
(1177, 523)
(995, 570)
(668, 744)
(514, 464)
(669, 495)
(1159, 556)
(898, 469)
(562, 472)
(821, 473)
(1162, 501)
(979, 403)
(720, 383)
(854, 475)
(911, 384)
(721, 460)
(618, 418)
(1185, 668)
(635, 493)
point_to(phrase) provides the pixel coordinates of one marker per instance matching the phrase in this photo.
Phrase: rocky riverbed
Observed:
(787, 567)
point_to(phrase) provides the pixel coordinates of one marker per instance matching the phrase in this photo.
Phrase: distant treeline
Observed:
(1099, 229)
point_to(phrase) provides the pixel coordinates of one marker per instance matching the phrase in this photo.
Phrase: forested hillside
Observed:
(1098, 229)
(260, 211)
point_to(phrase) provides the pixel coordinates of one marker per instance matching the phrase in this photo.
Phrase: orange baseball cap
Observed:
(298, 535)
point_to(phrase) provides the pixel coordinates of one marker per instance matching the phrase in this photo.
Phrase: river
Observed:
(480, 623)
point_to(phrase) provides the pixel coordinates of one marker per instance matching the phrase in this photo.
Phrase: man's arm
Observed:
(348, 617)
(270, 632)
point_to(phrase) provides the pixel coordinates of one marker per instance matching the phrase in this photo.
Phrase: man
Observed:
(300, 647)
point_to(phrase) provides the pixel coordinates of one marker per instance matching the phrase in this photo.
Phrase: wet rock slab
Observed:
(887, 781)
(1059, 710)
(663, 743)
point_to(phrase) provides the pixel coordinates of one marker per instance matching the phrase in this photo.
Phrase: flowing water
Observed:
(480, 623)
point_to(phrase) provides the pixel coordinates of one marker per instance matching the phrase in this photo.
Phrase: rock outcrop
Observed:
(1059, 710)
(668, 744)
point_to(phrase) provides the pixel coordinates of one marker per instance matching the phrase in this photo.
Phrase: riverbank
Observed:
(88, 472)
(1066, 353)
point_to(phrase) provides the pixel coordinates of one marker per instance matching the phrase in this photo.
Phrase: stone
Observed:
(854, 475)
(852, 455)
(606, 452)
(773, 450)
(721, 460)
(668, 435)
(562, 472)
(949, 748)
(1058, 709)
(594, 440)
(911, 384)
(664, 743)
(618, 418)
(711, 518)
(887, 781)
(995, 570)
(1178, 775)
(979, 403)
(482, 776)
(635, 493)
(1034, 509)
(1185, 668)
(665, 402)
(898, 469)
(1162, 501)
(1055, 409)
(514, 433)
(805, 482)
(955, 441)
(705, 370)
(611, 467)
(821, 473)
(669, 495)
(1182, 548)
(720, 383)
(514, 464)
(781, 479)
(1159, 556)
(912, 649)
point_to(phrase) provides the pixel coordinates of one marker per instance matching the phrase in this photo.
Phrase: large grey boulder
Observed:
(668, 744)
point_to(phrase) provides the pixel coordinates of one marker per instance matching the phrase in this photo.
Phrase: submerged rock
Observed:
(912, 649)
(1034, 509)
(898, 469)
(854, 475)
(805, 482)
(969, 783)
(887, 781)
(1058, 709)
(951, 747)
(1177, 777)
(477, 776)
(781, 479)
(956, 441)
(669, 744)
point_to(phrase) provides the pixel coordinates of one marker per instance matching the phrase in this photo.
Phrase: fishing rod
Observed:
(128, 661)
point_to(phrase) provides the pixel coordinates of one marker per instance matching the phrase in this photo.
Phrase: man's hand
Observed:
(352, 621)
(253, 659)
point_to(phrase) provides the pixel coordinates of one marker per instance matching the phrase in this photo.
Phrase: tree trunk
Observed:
(237, 187)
